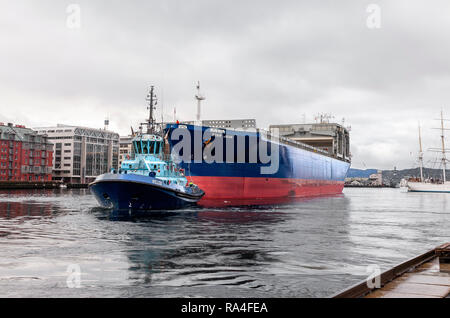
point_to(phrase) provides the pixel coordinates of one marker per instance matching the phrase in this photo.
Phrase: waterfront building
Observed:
(376, 179)
(81, 153)
(24, 155)
(125, 148)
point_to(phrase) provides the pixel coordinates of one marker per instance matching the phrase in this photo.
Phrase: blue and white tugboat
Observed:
(149, 180)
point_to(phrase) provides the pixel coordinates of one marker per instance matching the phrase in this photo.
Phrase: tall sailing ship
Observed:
(431, 185)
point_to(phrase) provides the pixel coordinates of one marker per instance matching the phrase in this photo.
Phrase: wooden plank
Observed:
(389, 294)
(361, 289)
(422, 276)
(417, 289)
(445, 268)
(426, 279)
(432, 266)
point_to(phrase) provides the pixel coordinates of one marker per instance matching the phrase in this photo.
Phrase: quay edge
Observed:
(415, 278)
(21, 185)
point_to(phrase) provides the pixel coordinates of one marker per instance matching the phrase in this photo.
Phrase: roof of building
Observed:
(79, 130)
(21, 133)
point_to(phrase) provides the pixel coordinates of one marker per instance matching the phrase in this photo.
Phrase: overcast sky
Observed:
(275, 61)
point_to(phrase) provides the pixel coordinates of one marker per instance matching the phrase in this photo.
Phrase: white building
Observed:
(376, 179)
(80, 153)
(125, 148)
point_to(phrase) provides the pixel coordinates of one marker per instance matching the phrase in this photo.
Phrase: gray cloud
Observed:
(274, 62)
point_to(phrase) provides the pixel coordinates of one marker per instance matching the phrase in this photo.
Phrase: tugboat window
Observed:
(152, 147)
(138, 147)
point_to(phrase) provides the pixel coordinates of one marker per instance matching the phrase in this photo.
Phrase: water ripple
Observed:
(308, 249)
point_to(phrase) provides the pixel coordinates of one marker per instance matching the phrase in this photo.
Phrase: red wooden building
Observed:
(24, 155)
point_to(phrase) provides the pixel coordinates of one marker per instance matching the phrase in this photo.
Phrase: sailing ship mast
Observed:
(441, 186)
(420, 155)
(444, 159)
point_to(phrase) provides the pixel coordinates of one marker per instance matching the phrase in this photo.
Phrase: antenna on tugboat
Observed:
(152, 102)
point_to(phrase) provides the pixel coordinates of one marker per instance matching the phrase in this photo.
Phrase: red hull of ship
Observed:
(243, 188)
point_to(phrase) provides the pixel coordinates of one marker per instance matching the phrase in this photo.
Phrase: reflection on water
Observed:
(303, 248)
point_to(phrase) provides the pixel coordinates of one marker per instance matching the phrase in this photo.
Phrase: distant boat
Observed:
(430, 184)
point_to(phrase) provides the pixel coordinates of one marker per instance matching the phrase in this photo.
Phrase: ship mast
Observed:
(444, 159)
(199, 99)
(420, 155)
(152, 102)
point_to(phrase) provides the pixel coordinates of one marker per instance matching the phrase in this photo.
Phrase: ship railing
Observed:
(168, 158)
(165, 157)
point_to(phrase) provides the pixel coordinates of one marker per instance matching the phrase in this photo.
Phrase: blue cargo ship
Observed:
(302, 170)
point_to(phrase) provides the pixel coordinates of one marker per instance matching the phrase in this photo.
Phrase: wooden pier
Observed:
(425, 276)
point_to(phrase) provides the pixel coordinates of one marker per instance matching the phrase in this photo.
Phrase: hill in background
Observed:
(358, 173)
(393, 177)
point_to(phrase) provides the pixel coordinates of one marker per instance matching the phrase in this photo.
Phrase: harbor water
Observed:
(59, 243)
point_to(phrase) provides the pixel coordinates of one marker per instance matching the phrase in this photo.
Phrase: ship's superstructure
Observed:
(330, 137)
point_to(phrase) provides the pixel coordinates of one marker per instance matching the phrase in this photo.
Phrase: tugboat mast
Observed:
(152, 102)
